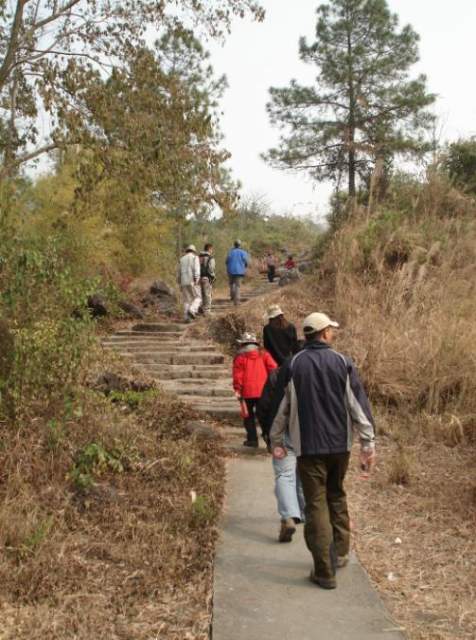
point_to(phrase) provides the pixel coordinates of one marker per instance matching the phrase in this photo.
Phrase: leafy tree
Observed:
(460, 162)
(364, 109)
(52, 49)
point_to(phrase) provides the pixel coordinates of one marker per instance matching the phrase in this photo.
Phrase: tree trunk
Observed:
(352, 106)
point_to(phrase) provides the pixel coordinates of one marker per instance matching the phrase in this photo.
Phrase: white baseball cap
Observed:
(191, 247)
(316, 322)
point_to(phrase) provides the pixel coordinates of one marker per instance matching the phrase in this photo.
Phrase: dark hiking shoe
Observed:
(342, 561)
(325, 583)
(251, 443)
(288, 529)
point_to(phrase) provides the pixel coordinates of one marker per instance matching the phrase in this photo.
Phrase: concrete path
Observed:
(262, 590)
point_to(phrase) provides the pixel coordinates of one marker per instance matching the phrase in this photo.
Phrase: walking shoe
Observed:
(250, 443)
(288, 529)
(325, 583)
(342, 561)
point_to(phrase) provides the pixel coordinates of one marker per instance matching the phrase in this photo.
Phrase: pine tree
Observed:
(364, 108)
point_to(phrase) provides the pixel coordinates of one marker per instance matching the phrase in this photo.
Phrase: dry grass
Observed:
(417, 540)
(130, 557)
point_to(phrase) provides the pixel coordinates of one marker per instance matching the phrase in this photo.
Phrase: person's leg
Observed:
(272, 273)
(231, 281)
(300, 495)
(196, 299)
(206, 295)
(317, 529)
(337, 501)
(286, 490)
(237, 294)
(250, 422)
(186, 301)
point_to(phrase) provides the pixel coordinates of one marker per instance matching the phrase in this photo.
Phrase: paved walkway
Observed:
(261, 587)
(262, 591)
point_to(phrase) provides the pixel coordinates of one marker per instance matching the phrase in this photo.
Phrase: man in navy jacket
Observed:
(237, 262)
(324, 400)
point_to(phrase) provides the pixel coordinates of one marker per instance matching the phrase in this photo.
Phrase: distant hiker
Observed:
(207, 277)
(290, 263)
(287, 484)
(251, 367)
(324, 398)
(279, 335)
(237, 262)
(271, 266)
(188, 277)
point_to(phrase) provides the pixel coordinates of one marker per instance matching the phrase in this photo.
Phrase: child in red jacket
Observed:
(251, 367)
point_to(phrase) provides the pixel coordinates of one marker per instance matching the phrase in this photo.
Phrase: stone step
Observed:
(173, 357)
(217, 411)
(154, 327)
(185, 383)
(152, 347)
(156, 335)
(194, 372)
(202, 391)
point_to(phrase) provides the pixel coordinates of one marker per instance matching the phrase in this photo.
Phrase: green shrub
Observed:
(94, 460)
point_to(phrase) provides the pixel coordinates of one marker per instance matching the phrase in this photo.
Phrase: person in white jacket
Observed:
(188, 277)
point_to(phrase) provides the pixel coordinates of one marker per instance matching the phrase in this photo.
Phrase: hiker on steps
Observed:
(279, 335)
(324, 398)
(237, 262)
(207, 277)
(287, 484)
(271, 263)
(251, 367)
(188, 278)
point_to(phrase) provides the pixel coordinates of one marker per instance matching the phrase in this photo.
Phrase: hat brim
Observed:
(275, 314)
(308, 330)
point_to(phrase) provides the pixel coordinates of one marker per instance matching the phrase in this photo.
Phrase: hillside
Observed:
(401, 281)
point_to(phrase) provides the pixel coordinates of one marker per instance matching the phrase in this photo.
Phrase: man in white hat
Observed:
(188, 278)
(324, 399)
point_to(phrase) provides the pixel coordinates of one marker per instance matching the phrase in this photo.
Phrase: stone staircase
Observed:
(192, 369)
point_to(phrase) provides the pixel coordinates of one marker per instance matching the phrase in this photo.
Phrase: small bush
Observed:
(94, 460)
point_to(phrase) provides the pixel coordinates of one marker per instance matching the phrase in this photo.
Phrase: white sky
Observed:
(257, 56)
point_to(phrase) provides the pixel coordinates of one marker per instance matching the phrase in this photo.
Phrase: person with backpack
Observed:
(237, 262)
(251, 367)
(207, 277)
(188, 278)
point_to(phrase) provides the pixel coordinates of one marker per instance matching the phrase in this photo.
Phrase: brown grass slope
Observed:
(122, 550)
(402, 283)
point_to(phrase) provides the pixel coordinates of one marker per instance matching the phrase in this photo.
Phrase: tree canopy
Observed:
(364, 108)
(51, 50)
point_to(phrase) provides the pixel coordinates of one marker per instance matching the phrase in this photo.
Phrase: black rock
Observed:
(131, 309)
(97, 306)
(160, 288)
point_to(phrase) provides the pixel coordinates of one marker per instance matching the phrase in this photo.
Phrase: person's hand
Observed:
(279, 453)
(367, 459)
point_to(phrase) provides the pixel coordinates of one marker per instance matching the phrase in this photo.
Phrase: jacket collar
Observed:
(317, 345)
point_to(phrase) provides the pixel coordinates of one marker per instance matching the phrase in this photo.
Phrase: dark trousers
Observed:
(250, 421)
(271, 273)
(327, 528)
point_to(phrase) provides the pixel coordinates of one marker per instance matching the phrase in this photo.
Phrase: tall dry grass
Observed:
(402, 284)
